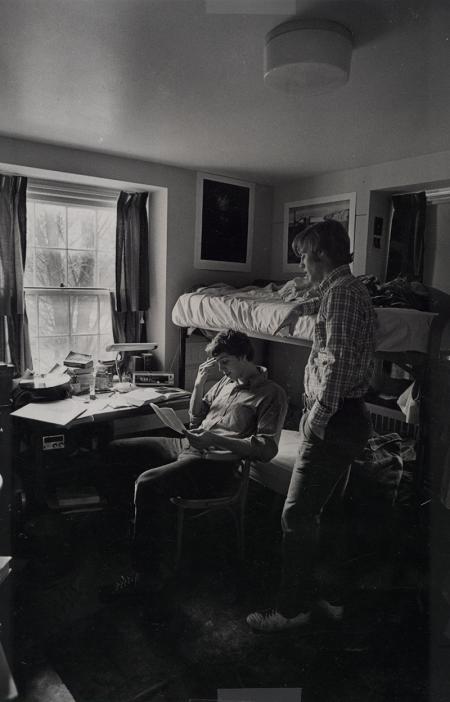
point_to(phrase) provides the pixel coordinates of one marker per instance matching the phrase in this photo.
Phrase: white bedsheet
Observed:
(259, 311)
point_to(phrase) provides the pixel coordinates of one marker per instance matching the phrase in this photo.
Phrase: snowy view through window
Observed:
(70, 269)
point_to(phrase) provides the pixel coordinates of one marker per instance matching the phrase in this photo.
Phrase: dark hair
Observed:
(231, 342)
(328, 236)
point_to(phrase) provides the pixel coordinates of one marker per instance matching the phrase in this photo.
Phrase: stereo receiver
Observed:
(153, 378)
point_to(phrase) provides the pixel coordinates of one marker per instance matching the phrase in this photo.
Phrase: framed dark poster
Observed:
(224, 223)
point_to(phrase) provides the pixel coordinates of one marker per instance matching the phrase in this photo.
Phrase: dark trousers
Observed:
(171, 471)
(319, 468)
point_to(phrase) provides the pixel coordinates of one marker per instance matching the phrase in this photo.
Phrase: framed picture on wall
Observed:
(298, 215)
(224, 223)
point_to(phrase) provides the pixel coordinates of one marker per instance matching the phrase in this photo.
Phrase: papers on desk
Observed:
(60, 412)
(115, 400)
(63, 412)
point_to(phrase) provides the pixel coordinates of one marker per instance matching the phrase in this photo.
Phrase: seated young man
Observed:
(243, 413)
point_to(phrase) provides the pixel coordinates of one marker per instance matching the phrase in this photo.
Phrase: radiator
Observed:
(386, 420)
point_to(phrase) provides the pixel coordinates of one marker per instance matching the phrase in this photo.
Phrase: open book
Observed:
(169, 417)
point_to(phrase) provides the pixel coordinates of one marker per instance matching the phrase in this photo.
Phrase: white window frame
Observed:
(70, 195)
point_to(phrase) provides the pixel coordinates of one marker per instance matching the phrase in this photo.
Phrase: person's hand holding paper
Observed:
(200, 438)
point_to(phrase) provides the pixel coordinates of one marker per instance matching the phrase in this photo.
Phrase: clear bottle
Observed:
(102, 378)
(92, 385)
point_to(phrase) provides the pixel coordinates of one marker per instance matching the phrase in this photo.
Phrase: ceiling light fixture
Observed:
(307, 56)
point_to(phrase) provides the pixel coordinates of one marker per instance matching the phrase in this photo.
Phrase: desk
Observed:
(49, 445)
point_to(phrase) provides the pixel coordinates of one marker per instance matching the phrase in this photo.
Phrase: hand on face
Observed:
(205, 369)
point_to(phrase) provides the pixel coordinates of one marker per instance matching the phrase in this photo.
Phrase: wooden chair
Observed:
(234, 504)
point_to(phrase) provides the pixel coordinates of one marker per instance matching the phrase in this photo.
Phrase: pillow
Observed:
(290, 290)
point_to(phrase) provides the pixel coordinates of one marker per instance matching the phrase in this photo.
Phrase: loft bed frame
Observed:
(419, 364)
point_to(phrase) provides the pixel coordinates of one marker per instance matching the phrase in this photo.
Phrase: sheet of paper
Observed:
(168, 417)
(60, 412)
(143, 395)
(91, 407)
(57, 371)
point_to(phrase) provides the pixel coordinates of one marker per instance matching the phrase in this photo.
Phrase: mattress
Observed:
(259, 311)
(276, 475)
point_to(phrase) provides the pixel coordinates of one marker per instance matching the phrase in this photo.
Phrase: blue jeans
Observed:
(319, 468)
(171, 471)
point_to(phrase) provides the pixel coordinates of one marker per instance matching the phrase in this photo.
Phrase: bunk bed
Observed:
(259, 311)
(408, 337)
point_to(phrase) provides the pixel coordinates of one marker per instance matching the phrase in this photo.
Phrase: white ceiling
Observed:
(181, 82)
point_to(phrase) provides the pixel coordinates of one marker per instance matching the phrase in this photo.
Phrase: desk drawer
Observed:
(130, 425)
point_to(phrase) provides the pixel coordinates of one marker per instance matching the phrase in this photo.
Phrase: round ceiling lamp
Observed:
(307, 56)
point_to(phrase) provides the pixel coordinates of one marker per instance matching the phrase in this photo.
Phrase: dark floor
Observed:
(194, 639)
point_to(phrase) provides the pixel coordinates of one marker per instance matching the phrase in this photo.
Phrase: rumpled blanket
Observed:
(379, 472)
(396, 293)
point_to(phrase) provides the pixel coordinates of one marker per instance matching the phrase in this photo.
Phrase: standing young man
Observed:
(335, 424)
(243, 414)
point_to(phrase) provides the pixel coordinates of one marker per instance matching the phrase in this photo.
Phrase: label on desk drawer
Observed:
(55, 441)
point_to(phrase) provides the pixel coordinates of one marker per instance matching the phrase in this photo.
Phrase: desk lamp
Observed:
(121, 350)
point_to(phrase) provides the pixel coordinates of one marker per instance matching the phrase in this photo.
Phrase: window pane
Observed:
(50, 225)
(106, 229)
(73, 247)
(81, 269)
(51, 268)
(80, 228)
(30, 225)
(85, 344)
(53, 315)
(84, 313)
(34, 346)
(31, 307)
(105, 340)
(52, 351)
(28, 276)
(105, 316)
(106, 269)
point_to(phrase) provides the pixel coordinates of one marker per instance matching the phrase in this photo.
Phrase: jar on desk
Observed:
(103, 378)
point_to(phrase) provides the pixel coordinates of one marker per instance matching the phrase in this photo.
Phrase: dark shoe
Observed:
(125, 588)
(270, 620)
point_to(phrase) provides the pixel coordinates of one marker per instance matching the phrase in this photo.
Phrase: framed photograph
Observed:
(224, 223)
(298, 215)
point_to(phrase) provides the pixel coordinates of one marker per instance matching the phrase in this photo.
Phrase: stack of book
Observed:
(81, 370)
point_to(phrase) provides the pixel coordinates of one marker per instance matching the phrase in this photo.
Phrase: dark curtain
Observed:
(127, 326)
(132, 296)
(406, 244)
(14, 337)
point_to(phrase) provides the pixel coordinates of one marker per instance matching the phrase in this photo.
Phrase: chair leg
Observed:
(241, 532)
(180, 524)
(242, 537)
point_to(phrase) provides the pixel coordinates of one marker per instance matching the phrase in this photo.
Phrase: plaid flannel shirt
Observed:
(340, 364)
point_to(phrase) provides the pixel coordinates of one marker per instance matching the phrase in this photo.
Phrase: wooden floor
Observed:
(194, 639)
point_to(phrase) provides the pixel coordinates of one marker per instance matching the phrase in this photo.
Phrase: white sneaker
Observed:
(333, 612)
(271, 620)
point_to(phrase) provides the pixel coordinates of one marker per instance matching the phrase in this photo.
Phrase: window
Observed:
(70, 269)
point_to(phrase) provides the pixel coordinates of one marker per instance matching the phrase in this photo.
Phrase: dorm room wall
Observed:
(172, 221)
(437, 249)
(373, 186)
(428, 171)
